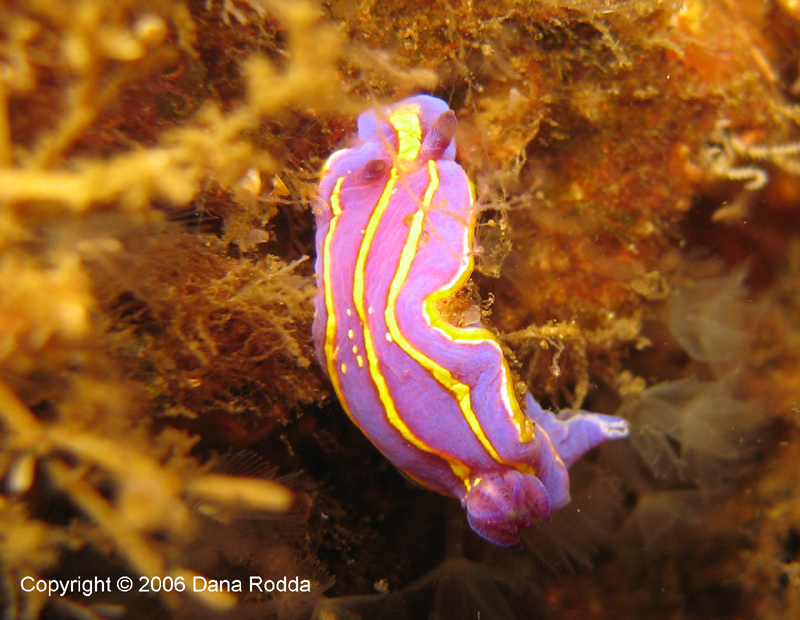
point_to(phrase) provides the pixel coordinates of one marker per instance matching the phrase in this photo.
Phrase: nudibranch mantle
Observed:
(395, 224)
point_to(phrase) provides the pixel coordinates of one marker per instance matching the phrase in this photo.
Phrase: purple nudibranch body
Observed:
(395, 223)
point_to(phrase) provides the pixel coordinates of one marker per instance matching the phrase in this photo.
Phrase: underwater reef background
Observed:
(162, 412)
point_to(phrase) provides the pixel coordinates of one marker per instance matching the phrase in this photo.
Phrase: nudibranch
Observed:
(395, 224)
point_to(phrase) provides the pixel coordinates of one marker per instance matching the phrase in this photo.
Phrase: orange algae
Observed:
(156, 165)
(121, 325)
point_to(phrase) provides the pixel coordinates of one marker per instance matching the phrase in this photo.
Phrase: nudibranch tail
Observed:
(573, 433)
(395, 225)
(499, 506)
